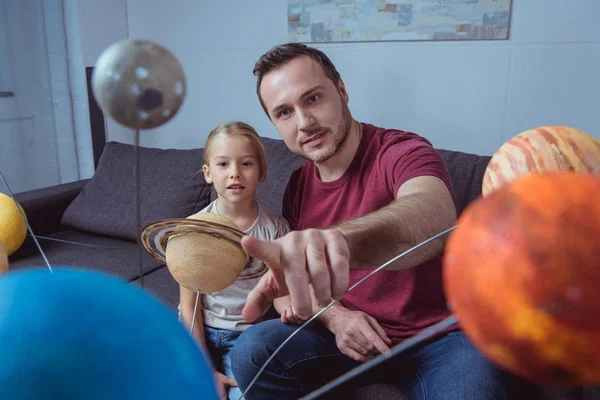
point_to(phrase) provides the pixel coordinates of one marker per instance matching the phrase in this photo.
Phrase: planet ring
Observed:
(167, 228)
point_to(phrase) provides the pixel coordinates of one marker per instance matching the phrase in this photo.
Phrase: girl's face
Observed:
(232, 168)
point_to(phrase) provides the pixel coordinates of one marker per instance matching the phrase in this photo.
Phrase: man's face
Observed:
(307, 108)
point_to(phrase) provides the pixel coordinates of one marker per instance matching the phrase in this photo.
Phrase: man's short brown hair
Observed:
(280, 55)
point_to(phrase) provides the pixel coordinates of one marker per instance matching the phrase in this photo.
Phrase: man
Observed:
(365, 194)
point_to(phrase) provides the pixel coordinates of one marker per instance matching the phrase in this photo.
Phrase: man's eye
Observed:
(285, 113)
(313, 98)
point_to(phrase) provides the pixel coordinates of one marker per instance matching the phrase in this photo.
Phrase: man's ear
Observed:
(343, 92)
(206, 171)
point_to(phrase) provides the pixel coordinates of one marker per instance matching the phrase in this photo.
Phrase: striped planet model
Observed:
(543, 149)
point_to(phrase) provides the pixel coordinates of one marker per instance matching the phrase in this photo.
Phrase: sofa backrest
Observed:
(281, 162)
(466, 171)
(172, 185)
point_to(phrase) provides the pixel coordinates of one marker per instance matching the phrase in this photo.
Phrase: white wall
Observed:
(102, 23)
(469, 96)
(44, 128)
(28, 143)
(217, 43)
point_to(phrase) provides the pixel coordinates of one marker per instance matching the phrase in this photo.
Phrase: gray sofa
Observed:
(90, 224)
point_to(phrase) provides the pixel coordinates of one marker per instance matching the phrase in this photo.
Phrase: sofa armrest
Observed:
(44, 207)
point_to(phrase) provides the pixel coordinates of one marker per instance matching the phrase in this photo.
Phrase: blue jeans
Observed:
(448, 368)
(219, 343)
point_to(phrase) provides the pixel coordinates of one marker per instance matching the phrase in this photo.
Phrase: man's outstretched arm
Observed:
(423, 207)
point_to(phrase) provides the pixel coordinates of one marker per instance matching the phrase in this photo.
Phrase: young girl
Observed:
(235, 162)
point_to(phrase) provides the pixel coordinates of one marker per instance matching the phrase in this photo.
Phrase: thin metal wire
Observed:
(76, 243)
(136, 203)
(196, 173)
(27, 224)
(334, 301)
(194, 316)
(394, 351)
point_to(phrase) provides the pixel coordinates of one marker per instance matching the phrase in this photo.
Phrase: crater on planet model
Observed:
(150, 99)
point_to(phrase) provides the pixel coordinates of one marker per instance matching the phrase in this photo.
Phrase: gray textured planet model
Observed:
(139, 83)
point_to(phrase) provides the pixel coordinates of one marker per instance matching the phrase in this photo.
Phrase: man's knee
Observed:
(254, 347)
(452, 368)
(482, 378)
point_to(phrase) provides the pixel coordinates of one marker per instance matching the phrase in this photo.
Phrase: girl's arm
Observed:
(187, 301)
(281, 303)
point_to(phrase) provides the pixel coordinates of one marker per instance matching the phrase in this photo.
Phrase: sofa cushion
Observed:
(44, 207)
(79, 249)
(281, 162)
(466, 171)
(169, 188)
(161, 284)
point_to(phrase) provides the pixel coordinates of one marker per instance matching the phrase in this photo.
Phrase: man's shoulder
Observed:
(394, 135)
(301, 173)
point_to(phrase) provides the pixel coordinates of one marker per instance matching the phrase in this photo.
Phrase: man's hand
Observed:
(357, 335)
(223, 382)
(320, 257)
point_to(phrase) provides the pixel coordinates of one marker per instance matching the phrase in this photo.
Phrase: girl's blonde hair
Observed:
(244, 130)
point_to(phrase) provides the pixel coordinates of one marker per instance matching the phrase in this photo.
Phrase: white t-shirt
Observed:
(223, 310)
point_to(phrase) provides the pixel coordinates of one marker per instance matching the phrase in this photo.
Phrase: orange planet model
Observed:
(522, 273)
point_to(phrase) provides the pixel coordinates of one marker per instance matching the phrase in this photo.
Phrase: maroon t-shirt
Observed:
(403, 302)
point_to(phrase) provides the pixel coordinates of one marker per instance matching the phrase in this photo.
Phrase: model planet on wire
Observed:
(522, 273)
(13, 228)
(139, 83)
(205, 261)
(81, 334)
(543, 149)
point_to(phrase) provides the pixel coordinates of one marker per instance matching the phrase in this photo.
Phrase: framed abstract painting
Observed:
(313, 21)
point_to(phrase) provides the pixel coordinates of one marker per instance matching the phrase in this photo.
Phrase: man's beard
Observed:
(339, 138)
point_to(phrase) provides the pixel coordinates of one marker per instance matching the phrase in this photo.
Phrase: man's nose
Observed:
(305, 120)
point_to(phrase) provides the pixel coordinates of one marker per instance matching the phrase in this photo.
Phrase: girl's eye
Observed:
(222, 164)
(246, 163)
